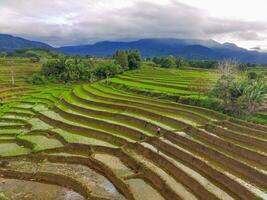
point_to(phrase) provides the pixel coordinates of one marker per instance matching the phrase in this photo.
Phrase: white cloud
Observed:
(66, 22)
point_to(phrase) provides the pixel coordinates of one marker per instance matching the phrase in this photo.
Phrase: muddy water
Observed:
(170, 181)
(141, 190)
(27, 190)
(115, 164)
(98, 184)
(247, 185)
(198, 177)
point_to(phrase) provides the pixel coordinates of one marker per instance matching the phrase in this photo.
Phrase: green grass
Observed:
(172, 84)
(12, 149)
(3, 197)
(152, 87)
(41, 142)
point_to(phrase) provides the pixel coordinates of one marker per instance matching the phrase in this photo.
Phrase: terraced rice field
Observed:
(100, 142)
(21, 69)
(169, 82)
(183, 85)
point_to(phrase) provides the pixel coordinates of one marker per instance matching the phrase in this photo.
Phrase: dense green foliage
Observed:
(121, 58)
(35, 53)
(253, 75)
(206, 64)
(242, 96)
(172, 62)
(106, 69)
(73, 69)
(67, 69)
(128, 59)
(3, 197)
(166, 62)
(38, 79)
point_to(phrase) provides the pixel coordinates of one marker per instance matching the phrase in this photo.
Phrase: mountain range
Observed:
(187, 48)
(11, 43)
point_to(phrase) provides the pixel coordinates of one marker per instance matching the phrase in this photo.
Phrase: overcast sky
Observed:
(68, 22)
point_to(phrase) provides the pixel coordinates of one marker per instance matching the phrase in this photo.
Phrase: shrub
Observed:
(242, 97)
(128, 59)
(3, 197)
(252, 75)
(121, 58)
(134, 60)
(166, 62)
(53, 67)
(107, 70)
(38, 79)
(206, 64)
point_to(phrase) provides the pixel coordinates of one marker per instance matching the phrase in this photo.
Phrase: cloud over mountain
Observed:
(68, 22)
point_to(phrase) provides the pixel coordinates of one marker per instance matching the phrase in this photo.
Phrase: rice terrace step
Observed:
(55, 136)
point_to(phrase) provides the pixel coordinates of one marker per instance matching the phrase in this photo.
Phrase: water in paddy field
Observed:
(27, 190)
(30, 190)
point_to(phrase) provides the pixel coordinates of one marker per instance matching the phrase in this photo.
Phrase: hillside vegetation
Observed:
(10, 43)
(14, 73)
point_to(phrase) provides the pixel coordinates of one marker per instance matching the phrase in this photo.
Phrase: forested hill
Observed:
(10, 43)
(190, 49)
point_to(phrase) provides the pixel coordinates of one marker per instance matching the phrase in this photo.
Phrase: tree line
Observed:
(74, 69)
(238, 91)
(173, 62)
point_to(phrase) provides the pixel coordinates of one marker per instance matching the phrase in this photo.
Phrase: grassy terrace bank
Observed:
(128, 138)
(179, 85)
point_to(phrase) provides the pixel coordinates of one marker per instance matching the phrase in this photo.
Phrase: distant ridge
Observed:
(187, 48)
(190, 49)
(10, 43)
